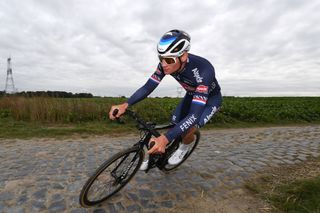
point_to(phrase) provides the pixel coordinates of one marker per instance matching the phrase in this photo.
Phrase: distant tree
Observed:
(54, 94)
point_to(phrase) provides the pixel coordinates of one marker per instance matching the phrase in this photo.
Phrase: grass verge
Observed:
(10, 128)
(23, 130)
(294, 189)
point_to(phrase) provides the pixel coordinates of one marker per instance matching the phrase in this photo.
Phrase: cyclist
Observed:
(201, 101)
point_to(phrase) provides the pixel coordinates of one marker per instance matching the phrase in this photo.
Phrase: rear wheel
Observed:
(111, 176)
(193, 145)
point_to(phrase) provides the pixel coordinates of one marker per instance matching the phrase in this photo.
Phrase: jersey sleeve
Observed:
(199, 101)
(148, 87)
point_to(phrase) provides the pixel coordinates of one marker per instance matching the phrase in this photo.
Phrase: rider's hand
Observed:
(122, 109)
(160, 144)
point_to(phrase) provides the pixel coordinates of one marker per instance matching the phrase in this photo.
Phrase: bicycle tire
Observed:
(85, 201)
(168, 167)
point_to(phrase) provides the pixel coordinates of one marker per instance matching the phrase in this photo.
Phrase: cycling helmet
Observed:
(173, 43)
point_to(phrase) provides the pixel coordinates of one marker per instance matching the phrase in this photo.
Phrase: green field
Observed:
(43, 116)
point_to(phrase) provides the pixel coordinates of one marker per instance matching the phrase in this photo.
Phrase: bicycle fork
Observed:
(124, 173)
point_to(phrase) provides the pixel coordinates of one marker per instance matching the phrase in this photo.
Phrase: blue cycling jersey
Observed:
(197, 78)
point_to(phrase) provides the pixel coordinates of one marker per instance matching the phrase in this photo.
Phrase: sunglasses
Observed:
(168, 60)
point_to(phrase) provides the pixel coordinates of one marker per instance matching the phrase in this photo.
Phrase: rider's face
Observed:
(170, 68)
(173, 67)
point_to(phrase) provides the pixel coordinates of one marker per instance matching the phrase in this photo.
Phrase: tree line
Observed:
(55, 94)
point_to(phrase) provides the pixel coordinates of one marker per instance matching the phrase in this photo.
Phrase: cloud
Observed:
(109, 48)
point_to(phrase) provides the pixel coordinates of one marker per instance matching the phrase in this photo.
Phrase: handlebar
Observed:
(138, 120)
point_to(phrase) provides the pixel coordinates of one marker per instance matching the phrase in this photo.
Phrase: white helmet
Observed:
(173, 43)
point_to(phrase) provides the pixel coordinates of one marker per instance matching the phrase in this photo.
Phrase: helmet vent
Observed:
(178, 48)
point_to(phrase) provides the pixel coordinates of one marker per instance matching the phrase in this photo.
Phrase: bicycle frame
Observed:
(149, 130)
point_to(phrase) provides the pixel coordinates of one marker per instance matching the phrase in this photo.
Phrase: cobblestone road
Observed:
(46, 175)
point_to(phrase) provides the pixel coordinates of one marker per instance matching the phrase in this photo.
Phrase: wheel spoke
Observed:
(113, 177)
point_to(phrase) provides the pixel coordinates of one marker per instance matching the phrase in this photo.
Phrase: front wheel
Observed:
(193, 145)
(111, 176)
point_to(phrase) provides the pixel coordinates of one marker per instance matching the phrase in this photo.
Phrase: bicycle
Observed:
(119, 169)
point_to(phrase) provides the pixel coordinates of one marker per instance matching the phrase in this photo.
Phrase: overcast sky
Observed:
(258, 48)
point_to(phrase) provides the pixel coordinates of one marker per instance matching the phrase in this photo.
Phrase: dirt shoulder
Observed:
(239, 201)
(250, 198)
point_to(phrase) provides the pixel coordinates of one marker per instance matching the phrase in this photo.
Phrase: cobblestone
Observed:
(59, 206)
(46, 175)
(15, 210)
(37, 206)
(6, 196)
